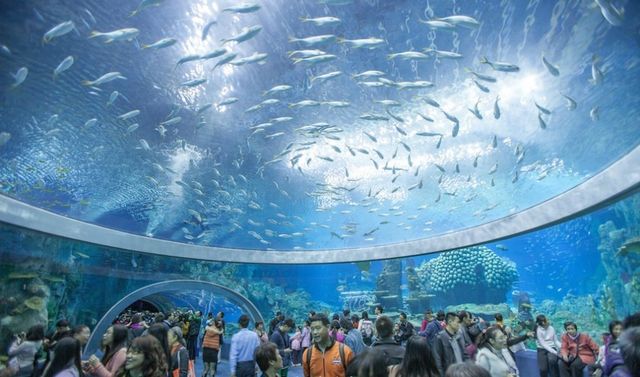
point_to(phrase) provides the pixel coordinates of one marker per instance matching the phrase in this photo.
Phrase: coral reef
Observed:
(486, 311)
(388, 286)
(474, 274)
(418, 299)
(357, 301)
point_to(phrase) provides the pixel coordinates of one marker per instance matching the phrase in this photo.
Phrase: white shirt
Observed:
(547, 339)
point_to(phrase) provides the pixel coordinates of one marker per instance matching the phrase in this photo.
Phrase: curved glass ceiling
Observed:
(310, 125)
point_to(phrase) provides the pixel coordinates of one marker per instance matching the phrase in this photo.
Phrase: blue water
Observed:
(103, 174)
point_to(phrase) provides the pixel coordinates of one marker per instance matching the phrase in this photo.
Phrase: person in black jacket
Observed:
(281, 339)
(385, 344)
(448, 347)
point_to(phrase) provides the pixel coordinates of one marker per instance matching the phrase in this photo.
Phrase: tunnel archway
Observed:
(154, 293)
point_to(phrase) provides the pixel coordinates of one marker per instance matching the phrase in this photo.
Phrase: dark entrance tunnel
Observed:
(169, 295)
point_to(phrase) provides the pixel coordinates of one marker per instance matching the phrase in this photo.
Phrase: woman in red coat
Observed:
(576, 352)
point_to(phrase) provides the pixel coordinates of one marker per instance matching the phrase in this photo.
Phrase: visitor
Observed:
(179, 361)
(386, 343)
(268, 359)
(405, 329)
(262, 334)
(355, 321)
(81, 333)
(326, 357)
(211, 347)
(418, 360)
(426, 318)
(145, 358)
(547, 345)
(306, 337)
(194, 332)
(366, 329)
(352, 337)
(494, 355)
(137, 326)
(114, 346)
(24, 351)
(160, 332)
(610, 339)
(296, 347)
(448, 346)
(433, 328)
(66, 359)
(243, 346)
(280, 338)
(379, 309)
(279, 317)
(467, 369)
(577, 350)
(514, 343)
(335, 332)
(469, 331)
(615, 365)
(372, 364)
(629, 343)
(223, 326)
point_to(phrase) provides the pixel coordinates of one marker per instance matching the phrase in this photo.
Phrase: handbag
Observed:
(191, 368)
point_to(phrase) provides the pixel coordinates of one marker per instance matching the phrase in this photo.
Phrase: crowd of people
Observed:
(445, 345)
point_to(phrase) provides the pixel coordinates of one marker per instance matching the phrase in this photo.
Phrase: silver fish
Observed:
(481, 76)
(225, 59)
(145, 4)
(596, 74)
(500, 66)
(58, 31)
(19, 77)
(126, 34)
(130, 114)
(571, 103)
(243, 8)
(193, 83)
(610, 12)
(314, 41)
(480, 86)
(461, 20)
(554, 70)
(322, 21)
(244, 35)
(63, 66)
(277, 89)
(542, 109)
(541, 122)
(162, 43)
(325, 77)
(368, 43)
(205, 30)
(496, 108)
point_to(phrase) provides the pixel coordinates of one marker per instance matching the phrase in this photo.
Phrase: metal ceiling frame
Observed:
(616, 181)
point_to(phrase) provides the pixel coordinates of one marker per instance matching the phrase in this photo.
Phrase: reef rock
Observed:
(388, 285)
(474, 274)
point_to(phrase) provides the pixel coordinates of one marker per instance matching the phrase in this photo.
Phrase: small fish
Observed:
(500, 66)
(112, 97)
(405, 146)
(316, 59)
(172, 121)
(368, 43)
(245, 34)
(494, 142)
(322, 21)
(145, 4)
(493, 169)
(205, 30)
(193, 83)
(144, 145)
(571, 103)
(227, 101)
(413, 84)
(496, 108)
(541, 122)
(480, 86)
(454, 131)
(408, 55)
(596, 74)
(380, 155)
(314, 41)
(443, 54)
(126, 34)
(554, 70)
(188, 58)
(461, 20)
(375, 164)
(162, 43)
(90, 123)
(305, 53)
(243, 8)
(595, 113)
(132, 127)
(19, 77)
(277, 89)
(610, 13)
(325, 77)
(428, 134)
(481, 76)
(373, 138)
(63, 66)
(368, 74)
(225, 59)
(4, 138)
(5, 50)
(256, 57)
(437, 24)
(129, 115)
(58, 31)
(475, 111)
(542, 109)
(107, 77)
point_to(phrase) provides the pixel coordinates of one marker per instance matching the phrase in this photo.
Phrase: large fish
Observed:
(126, 34)
(58, 31)
(245, 34)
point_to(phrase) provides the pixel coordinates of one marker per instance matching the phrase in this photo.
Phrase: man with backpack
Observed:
(326, 357)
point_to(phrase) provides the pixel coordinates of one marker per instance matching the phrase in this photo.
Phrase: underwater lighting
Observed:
(522, 89)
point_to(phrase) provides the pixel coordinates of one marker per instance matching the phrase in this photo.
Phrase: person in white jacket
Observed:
(494, 356)
(548, 346)
(23, 350)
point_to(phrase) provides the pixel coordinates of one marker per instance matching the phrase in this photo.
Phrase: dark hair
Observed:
(322, 318)
(312, 313)
(264, 353)
(346, 324)
(136, 318)
(428, 311)
(632, 320)
(66, 350)
(335, 324)
(403, 315)
(462, 314)
(35, 333)
(355, 318)
(466, 369)
(243, 321)
(259, 323)
(613, 324)
(154, 364)
(440, 315)
(335, 317)
(177, 332)
(450, 317)
(62, 323)
(158, 318)
(288, 322)
(487, 335)
(418, 359)
(384, 326)
(372, 363)
(119, 341)
(498, 317)
(346, 312)
(629, 342)
(160, 332)
(570, 323)
(307, 322)
(365, 315)
(540, 319)
(380, 308)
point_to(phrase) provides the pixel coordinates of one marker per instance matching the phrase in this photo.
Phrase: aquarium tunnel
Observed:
(263, 156)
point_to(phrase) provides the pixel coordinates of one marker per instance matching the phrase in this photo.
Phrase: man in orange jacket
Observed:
(326, 358)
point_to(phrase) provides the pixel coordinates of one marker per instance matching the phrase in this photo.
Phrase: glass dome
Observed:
(311, 125)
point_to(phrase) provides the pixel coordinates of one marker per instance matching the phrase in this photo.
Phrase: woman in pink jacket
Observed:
(114, 343)
(576, 351)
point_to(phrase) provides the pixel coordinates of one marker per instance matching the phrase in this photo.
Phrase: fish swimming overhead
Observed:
(610, 12)
(63, 66)
(322, 21)
(244, 35)
(146, 4)
(58, 31)
(443, 54)
(162, 43)
(193, 83)
(500, 66)
(19, 77)
(554, 70)
(277, 89)
(408, 55)
(369, 43)
(314, 41)
(461, 20)
(256, 57)
(596, 74)
(496, 108)
(243, 8)
(316, 59)
(104, 79)
(438, 24)
(126, 34)
(225, 59)
(571, 103)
